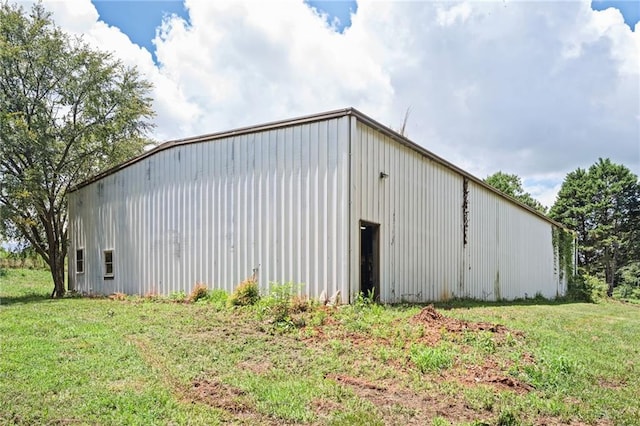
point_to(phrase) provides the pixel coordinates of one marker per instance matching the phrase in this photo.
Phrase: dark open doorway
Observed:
(370, 259)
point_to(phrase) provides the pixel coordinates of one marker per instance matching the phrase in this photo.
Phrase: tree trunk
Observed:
(608, 274)
(56, 265)
(611, 279)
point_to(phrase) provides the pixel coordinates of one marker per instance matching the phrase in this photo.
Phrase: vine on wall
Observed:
(563, 247)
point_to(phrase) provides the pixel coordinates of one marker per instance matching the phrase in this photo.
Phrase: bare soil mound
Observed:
(434, 319)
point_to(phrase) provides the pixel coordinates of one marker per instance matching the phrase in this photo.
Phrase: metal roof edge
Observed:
(350, 111)
(214, 136)
(410, 144)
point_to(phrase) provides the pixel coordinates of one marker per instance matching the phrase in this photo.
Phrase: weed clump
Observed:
(246, 293)
(283, 308)
(178, 296)
(200, 291)
(430, 359)
(218, 298)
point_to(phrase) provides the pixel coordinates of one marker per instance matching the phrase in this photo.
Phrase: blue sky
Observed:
(535, 88)
(139, 19)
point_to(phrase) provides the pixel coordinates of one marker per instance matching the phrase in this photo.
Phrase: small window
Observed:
(108, 263)
(80, 261)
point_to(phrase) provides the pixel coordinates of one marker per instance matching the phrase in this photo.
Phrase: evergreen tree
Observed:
(602, 205)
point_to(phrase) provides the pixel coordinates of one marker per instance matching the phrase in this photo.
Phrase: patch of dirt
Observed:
(431, 318)
(490, 373)
(205, 391)
(325, 407)
(220, 396)
(401, 406)
(258, 368)
(354, 381)
(611, 383)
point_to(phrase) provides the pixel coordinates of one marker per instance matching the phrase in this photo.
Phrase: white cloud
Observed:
(456, 13)
(533, 88)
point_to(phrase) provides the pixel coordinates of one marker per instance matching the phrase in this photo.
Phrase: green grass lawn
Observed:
(142, 361)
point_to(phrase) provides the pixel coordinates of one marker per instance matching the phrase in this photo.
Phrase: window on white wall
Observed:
(80, 261)
(108, 263)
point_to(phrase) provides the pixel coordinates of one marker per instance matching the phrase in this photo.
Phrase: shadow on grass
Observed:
(476, 303)
(472, 303)
(24, 298)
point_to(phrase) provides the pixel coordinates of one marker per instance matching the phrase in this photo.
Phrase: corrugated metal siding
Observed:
(418, 207)
(212, 212)
(287, 200)
(510, 252)
(423, 256)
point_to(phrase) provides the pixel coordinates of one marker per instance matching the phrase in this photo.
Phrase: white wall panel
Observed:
(213, 211)
(418, 207)
(508, 252)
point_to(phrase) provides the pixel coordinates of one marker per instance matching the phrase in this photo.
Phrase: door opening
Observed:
(370, 259)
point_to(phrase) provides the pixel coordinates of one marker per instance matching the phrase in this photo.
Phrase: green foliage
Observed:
(282, 306)
(630, 274)
(364, 301)
(439, 421)
(511, 185)
(67, 112)
(482, 340)
(578, 290)
(178, 296)
(507, 418)
(602, 205)
(246, 293)
(429, 359)
(563, 244)
(22, 257)
(629, 288)
(595, 287)
(218, 298)
(554, 373)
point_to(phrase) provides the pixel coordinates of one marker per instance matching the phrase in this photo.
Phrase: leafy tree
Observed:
(602, 205)
(67, 112)
(511, 185)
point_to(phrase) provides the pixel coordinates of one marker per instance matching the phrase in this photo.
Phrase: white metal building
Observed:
(335, 201)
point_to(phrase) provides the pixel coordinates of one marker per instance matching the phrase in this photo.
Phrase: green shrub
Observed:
(630, 275)
(246, 293)
(587, 288)
(596, 287)
(624, 291)
(178, 296)
(278, 302)
(218, 298)
(365, 300)
(284, 309)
